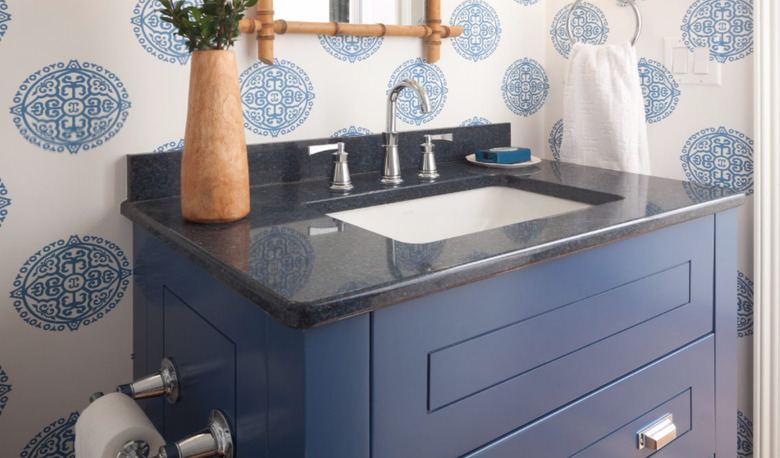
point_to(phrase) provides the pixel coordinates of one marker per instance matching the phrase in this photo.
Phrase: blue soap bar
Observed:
(507, 155)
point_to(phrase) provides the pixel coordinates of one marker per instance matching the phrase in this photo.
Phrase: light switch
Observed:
(679, 60)
(691, 67)
(701, 61)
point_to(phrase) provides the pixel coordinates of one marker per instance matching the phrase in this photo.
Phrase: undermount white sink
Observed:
(430, 219)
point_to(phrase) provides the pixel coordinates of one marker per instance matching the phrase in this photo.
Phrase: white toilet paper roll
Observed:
(109, 423)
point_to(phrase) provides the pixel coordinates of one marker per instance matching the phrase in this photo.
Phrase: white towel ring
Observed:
(633, 4)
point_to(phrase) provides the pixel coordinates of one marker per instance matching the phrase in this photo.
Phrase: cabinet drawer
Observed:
(458, 369)
(605, 423)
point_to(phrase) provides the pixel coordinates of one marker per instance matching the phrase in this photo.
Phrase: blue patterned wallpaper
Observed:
(175, 145)
(744, 305)
(5, 18)
(277, 98)
(71, 283)
(350, 49)
(525, 87)
(428, 76)
(57, 440)
(659, 89)
(719, 157)
(724, 26)
(481, 30)
(156, 36)
(5, 388)
(475, 121)
(555, 140)
(744, 436)
(70, 106)
(5, 202)
(588, 25)
(351, 131)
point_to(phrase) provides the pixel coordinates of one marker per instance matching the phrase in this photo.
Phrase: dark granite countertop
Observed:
(291, 259)
(305, 269)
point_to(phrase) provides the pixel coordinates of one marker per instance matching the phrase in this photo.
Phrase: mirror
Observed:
(388, 12)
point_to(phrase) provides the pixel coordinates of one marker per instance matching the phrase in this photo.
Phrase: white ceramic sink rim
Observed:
(435, 218)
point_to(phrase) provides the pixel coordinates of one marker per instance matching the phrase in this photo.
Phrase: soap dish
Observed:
(473, 159)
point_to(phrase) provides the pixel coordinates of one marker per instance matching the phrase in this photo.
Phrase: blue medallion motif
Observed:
(417, 256)
(652, 209)
(5, 388)
(744, 436)
(5, 202)
(4, 18)
(481, 30)
(659, 89)
(71, 283)
(744, 305)
(556, 139)
(724, 26)
(58, 440)
(70, 106)
(525, 87)
(347, 48)
(720, 157)
(588, 25)
(158, 37)
(282, 259)
(277, 98)
(527, 2)
(351, 131)
(700, 193)
(526, 232)
(475, 121)
(428, 76)
(170, 146)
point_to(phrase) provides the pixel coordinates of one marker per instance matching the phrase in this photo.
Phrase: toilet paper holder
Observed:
(165, 383)
(214, 440)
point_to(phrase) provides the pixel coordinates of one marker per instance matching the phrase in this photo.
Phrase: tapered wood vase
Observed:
(214, 169)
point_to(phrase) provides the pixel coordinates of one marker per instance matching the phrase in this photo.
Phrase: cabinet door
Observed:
(206, 364)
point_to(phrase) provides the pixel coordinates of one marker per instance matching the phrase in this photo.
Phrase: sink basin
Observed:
(430, 219)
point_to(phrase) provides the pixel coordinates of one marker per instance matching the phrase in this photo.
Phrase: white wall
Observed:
(62, 163)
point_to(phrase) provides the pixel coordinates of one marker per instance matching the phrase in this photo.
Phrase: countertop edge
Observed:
(304, 315)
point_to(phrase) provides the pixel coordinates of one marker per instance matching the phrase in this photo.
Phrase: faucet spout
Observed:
(392, 98)
(392, 168)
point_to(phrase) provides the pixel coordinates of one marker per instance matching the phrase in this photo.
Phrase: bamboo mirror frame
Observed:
(267, 28)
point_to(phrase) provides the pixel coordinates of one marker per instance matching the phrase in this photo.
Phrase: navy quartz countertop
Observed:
(303, 268)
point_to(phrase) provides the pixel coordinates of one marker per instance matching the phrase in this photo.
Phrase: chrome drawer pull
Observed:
(657, 435)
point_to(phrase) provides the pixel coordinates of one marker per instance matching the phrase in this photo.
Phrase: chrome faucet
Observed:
(392, 169)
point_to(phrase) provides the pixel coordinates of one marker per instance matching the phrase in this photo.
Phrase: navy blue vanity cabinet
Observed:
(568, 357)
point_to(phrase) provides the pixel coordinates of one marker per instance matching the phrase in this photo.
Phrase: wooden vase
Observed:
(214, 168)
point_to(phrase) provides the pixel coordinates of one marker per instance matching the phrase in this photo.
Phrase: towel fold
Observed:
(603, 110)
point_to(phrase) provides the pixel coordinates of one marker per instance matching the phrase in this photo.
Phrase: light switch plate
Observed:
(691, 67)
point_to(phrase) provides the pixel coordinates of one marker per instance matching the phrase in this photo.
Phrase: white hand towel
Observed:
(603, 110)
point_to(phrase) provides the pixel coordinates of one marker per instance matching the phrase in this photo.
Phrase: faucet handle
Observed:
(314, 149)
(341, 180)
(427, 161)
(445, 137)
